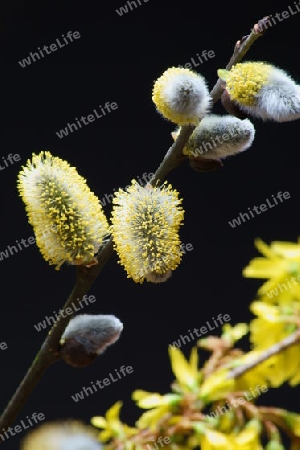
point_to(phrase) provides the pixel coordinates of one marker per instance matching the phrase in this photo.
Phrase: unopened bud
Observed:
(87, 336)
(217, 137)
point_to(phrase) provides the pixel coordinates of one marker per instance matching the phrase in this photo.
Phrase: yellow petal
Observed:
(139, 394)
(264, 268)
(264, 249)
(286, 249)
(194, 362)
(248, 437)
(294, 352)
(99, 422)
(151, 401)
(234, 333)
(214, 440)
(105, 435)
(181, 368)
(272, 283)
(216, 386)
(113, 413)
(267, 312)
(150, 418)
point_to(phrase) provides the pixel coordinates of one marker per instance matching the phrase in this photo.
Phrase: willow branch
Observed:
(49, 352)
(241, 48)
(287, 342)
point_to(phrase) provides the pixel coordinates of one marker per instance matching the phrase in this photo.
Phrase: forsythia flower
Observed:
(281, 265)
(159, 406)
(257, 376)
(263, 90)
(220, 136)
(186, 372)
(216, 386)
(233, 334)
(57, 198)
(278, 311)
(270, 327)
(246, 439)
(70, 435)
(145, 225)
(188, 380)
(181, 96)
(111, 424)
(214, 440)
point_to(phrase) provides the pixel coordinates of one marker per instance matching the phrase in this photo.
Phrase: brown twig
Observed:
(287, 342)
(240, 50)
(49, 353)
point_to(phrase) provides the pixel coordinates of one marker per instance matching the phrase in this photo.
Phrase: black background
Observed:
(117, 59)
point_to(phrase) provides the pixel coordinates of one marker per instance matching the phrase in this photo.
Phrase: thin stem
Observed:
(241, 48)
(212, 362)
(49, 352)
(173, 157)
(287, 342)
(276, 416)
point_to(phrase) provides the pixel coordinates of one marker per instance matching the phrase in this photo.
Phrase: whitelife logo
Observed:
(51, 320)
(36, 417)
(106, 382)
(132, 5)
(86, 119)
(205, 55)
(203, 330)
(53, 47)
(145, 178)
(161, 441)
(259, 209)
(284, 15)
(235, 403)
(274, 292)
(12, 249)
(11, 158)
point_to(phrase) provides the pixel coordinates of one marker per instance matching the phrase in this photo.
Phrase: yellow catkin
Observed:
(181, 96)
(244, 81)
(66, 216)
(145, 225)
